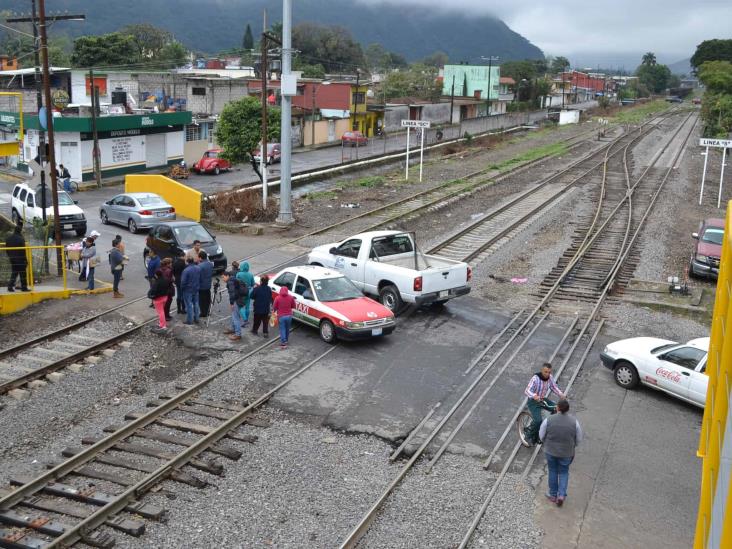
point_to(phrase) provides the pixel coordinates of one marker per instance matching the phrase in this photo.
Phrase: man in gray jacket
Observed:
(560, 434)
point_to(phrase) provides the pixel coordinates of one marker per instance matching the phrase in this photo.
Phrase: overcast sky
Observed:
(591, 31)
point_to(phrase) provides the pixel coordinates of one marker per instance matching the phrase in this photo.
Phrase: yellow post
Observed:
(6, 149)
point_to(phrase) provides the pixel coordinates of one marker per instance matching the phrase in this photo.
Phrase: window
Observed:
(336, 289)
(23, 194)
(713, 235)
(392, 245)
(128, 202)
(118, 201)
(359, 98)
(302, 286)
(688, 357)
(165, 233)
(193, 132)
(350, 248)
(16, 190)
(286, 280)
(198, 91)
(30, 201)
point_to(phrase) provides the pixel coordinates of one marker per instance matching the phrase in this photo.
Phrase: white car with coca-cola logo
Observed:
(675, 368)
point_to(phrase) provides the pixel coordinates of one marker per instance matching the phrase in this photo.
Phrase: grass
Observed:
(552, 149)
(368, 182)
(636, 114)
(321, 195)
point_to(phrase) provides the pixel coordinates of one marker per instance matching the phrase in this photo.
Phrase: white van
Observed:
(27, 206)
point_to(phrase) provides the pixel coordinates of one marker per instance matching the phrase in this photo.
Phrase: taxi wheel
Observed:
(626, 375)
(327, 331)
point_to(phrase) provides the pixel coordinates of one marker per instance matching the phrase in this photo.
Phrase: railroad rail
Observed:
(512, 340)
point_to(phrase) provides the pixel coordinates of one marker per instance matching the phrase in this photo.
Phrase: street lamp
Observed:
(312, 111)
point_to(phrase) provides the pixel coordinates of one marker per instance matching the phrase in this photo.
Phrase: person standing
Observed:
(159, 295)
(166, 265)
(121, 247)
(88, 262)
(262, 297)
(189, 286)
(65, 176)
(153, 264)
(204, 286)
(236, 297)
(18, 259)
(540, 384)
(560, 433)
(116, 259)
(283, 305)
(178, 266)
(193, 252)
(247, 279)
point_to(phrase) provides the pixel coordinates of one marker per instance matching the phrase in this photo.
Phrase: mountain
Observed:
(682, 67)
(214, 25)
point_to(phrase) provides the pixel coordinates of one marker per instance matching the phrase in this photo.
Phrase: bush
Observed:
(237, 207)
(468, 137)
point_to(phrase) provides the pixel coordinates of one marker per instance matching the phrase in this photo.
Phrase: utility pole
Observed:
(49, 124)
(263, 153)
(95, 112)
(287, 86)
(312, 120)
(354, 126)
(488, 95)
(452, 98)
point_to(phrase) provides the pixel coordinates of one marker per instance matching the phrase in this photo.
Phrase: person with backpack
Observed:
(262, 297)
(236, 299)
(116, 262)
(88, 262)
(283, 305)
(158, 292)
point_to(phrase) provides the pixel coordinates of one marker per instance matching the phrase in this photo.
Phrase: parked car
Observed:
(707, 248)
(387, 264)
(329, 301)
(674, 99)
(674, 368)
(27, 204)
(211, 162)
(696, 101)
(136, 211)
(274, 153)
(354, 139)
(168, 239)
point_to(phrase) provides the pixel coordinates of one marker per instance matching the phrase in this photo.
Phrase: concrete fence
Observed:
(186, 201)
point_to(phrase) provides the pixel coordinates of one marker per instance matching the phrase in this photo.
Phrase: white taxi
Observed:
(329, 301)
(674, 368)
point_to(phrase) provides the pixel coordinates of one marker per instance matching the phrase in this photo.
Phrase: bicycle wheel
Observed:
(74, 186)
(523, 423)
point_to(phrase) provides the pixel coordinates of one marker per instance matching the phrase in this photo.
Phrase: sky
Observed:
(615, 32)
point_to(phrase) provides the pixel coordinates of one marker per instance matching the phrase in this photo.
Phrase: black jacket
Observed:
(178, 266)
(160, 287)
(262, 296)
(17, 257)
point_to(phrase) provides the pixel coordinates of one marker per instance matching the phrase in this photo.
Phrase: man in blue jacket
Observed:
(204, 285)
(190, 282)
(153, 264)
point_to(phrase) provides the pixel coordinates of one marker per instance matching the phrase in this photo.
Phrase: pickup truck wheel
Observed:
(15, 217)
(391, 298)
(327, 331)
(626, 375)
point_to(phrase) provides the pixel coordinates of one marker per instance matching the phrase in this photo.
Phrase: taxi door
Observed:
(305, 311)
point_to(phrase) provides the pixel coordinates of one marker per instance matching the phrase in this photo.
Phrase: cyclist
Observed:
(65, 176)
(536, 392)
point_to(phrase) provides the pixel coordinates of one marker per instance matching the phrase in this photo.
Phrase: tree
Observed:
(437, 59)
(654, 77)
(333, 47)
(308, 70)
(377, 57)
(239, 129)
(247, 42)
(172, 55)
(519, 70)
(416, 81)
(148, 39)
(711, 50)
(649, 58)
(112, 49)
(717, 76)
(559, 64)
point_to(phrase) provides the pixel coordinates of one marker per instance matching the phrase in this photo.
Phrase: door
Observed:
(155, 153)
(71, 159)
(698, 384)
(114, 210)
(346, 260)
(674, 370)
(305, 309)
(331, 131)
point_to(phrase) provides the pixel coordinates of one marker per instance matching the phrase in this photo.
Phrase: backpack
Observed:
(241, 292)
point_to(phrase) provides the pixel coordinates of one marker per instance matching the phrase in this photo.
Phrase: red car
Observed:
(211, 162)
(708, 248)
(354, 139)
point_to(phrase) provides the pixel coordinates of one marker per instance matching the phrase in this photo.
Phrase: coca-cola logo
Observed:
(671, 376)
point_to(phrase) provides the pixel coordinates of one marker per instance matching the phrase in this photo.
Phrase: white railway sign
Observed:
(416, 123)
(705, 142)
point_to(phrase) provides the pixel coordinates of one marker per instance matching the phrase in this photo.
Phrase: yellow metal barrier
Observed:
(186, 201)
(12, 148)
(42, 286)
(714, 518)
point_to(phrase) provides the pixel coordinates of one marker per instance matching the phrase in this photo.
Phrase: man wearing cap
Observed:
(560, 434)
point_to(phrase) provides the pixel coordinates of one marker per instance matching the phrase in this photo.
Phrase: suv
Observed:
(707, 249)
(26, 204)
(168, 239)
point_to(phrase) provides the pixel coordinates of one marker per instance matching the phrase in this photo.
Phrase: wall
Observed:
(394, 117)
(125, 80)
(437, 113)
(193, 150)
(331, 96)
(175, 146)
(218, 94)
(187, 201)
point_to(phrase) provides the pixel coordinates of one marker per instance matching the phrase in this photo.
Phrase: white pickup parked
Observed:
(387, 264)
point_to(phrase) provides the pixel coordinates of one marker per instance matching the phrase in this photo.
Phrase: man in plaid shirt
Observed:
(536, 392)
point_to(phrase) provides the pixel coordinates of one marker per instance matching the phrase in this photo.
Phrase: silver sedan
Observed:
(136, 211)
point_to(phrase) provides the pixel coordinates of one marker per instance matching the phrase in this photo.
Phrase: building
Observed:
(24, 81)
(477, 81)
(8, 63)
(577, 87)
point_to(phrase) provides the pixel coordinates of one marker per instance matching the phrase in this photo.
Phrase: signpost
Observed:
(422, 125)
(724, 144)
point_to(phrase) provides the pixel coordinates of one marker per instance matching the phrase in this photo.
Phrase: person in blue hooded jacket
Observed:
(246, 278)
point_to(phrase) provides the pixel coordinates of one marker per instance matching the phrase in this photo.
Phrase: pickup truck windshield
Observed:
(391, 245)
(336, 289)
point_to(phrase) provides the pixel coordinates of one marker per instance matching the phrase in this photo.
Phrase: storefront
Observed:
(127, 143)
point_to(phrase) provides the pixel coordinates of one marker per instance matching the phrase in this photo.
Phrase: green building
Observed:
(472, 81)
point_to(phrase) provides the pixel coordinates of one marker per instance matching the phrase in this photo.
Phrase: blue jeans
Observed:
(90, 278)
(67, 184)
(244, 311)
(192, 310)
(116, 276)
(235, 319)
(285, 323)
(558, 475)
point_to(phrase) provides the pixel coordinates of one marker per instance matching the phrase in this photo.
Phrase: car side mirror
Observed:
(695, 236)
(333, 251)
(76, 202)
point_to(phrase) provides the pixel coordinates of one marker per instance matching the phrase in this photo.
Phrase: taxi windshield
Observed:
(336, 289)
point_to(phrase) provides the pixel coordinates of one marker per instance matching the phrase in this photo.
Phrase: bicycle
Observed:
(73, 186)
(217, 296)
(524, 421)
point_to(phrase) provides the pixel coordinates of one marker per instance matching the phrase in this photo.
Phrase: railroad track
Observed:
(133, 458)
(502, 352)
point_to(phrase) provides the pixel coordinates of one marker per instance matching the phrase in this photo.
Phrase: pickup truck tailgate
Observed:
(437, 279)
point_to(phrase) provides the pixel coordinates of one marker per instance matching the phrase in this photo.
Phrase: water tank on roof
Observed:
(119, 96)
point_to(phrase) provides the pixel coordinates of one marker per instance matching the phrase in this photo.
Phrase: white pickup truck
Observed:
(387, 264)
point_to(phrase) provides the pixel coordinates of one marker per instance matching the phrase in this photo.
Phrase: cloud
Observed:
(582, 29)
